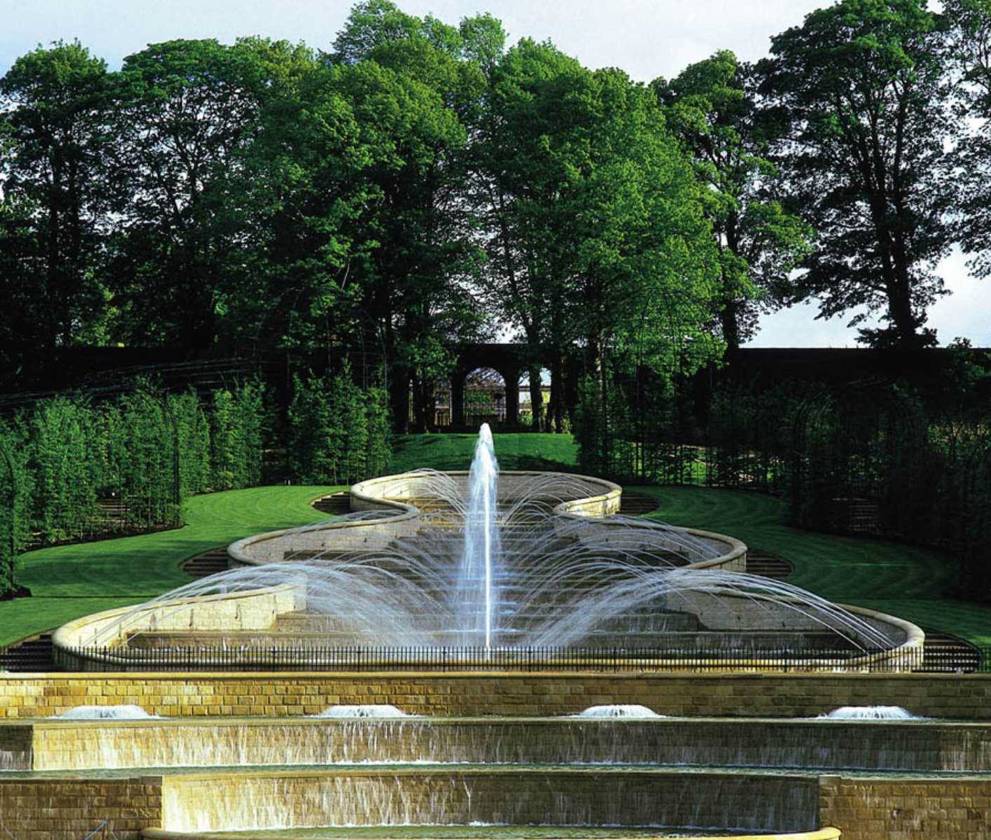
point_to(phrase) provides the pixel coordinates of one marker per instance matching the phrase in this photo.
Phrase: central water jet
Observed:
(482, 545)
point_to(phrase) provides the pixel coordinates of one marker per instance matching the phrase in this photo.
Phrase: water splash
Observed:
(488, 573)
(870, 713)
(618, 711)
(124, 712)
(368, 710)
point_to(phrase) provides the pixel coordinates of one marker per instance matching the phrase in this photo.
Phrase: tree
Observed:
(184, 112)
(713, 110)
(517, 181)
(51, 191)
(861, 88)
(411, 94)
(968, 50)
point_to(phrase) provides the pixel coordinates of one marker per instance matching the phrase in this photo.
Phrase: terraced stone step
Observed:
(346, 745)
(637, 504)
(447, 832)
(768, 565)
(32, 655)
(336, 504)
(208, 563)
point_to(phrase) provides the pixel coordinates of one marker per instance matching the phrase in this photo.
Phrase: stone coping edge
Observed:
(570, 675)
(821, 834)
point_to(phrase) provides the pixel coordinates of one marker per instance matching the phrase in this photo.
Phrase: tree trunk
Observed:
(536, 398)
(730, 325)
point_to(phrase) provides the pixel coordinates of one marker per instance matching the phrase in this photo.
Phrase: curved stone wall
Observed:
(390, 503)
(394, 498)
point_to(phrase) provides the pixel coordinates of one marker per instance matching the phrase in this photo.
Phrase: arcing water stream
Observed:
(488, 571)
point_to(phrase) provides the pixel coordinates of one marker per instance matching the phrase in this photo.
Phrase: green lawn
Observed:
(70, 581)
(902, 580)
(524, 451)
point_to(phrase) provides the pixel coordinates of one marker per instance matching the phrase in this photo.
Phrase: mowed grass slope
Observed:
(903, 580)
(525, 451)
(70, 581)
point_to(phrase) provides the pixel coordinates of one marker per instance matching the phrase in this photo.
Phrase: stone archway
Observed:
(511, 362)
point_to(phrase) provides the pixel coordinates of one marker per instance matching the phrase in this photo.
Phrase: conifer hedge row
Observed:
(72, 469)
(338, 432)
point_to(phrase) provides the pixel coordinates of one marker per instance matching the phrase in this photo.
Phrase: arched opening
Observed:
(485, 397)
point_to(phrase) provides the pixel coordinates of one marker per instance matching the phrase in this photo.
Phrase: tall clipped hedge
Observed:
(125, 465)
(64, 458)
(149, 474)
(237, 421)
(338, 432)
(15, 494)
(192, 425)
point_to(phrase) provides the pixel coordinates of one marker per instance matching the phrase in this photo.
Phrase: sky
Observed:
(647, 38)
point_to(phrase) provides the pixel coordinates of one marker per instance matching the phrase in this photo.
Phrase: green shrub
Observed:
(149, 468)
(338, 433)
(237, 421)
(193, 427)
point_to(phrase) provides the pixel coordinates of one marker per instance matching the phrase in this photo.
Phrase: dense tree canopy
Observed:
(861, 87)
(416, 184)
(713, 108)
(968, 24)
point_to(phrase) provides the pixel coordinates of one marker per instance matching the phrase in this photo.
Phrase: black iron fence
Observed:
(521, 659)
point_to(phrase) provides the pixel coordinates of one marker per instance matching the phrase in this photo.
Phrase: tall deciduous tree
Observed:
(969, 53)
(862, 87)
(712, 108)
(184, 112)
(412, 94)
(51, 189)
(597, 230)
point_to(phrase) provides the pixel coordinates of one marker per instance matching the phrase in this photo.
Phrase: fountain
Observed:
(365, 710)
(870, 713)
(569, 624)
(121, 712)
(618, 711)
(472, 569)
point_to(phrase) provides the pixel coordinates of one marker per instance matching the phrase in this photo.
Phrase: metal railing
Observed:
(260, 657)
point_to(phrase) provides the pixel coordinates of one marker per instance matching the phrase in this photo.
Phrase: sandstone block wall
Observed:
(966, 697)
(907, 809)
(68, 809)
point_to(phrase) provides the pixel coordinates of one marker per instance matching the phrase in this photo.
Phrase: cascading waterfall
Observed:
(482, 546)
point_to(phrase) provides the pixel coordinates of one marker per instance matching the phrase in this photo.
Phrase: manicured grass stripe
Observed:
(903, 580)
(71, 581)
(515, 451)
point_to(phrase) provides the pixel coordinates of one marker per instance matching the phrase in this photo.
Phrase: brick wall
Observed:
(67, 809)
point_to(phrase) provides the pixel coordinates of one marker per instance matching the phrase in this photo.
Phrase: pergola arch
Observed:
(510, 361)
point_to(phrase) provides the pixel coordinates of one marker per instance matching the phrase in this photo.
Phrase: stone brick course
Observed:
(965, 697)
(68, 809)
